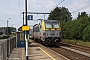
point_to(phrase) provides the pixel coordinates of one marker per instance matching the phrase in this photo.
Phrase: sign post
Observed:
(26, 28)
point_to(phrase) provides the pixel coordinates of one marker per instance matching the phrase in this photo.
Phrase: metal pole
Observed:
(26, 10)
(26, 32)
(16, 38)
(26, 47)
(44, 17)
(7, 27)
(23, 18)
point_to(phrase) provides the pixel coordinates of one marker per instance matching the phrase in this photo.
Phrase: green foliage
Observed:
(60, 13)
(4, 37)
(86, 34)
(1, 33)
(82, 15)
(77, 42)
(74, 29)
(9, 31)
(67, 30)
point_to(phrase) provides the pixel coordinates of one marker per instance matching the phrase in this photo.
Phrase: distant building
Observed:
(4, 29)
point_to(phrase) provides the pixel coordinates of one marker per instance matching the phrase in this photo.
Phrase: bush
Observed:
(5, 37)
(86, 34)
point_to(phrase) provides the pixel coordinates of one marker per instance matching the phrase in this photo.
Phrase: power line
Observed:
(79, 5)
(51, 6)
(81, 8)
(59, 2)
(2, 20)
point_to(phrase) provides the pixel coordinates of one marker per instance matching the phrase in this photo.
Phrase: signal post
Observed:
(25, 29)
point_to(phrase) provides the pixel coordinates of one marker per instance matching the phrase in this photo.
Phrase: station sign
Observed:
(25, 28)
(30, 17)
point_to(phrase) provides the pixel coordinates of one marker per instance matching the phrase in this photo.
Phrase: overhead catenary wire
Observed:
(2, 20)
(81, 8)
(59, 2)
(79, 5)
(56, 4)
(51, 5)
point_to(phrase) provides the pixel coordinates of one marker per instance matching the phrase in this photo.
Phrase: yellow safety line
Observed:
(47, 54)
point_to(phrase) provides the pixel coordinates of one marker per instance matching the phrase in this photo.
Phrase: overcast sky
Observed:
(13, 9)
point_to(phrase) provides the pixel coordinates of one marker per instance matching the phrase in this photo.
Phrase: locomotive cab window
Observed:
(48, 25)
(55, 25)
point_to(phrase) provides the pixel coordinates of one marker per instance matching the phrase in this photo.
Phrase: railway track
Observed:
(73, 52)
(72, 55)
(82, 48)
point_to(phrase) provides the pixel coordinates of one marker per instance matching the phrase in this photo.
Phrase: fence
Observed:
(6, 47)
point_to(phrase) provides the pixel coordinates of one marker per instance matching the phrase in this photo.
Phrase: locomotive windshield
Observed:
(55, 25)
(48, 25)
(52, 25)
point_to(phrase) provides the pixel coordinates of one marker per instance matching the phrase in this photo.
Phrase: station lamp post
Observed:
(7, 26)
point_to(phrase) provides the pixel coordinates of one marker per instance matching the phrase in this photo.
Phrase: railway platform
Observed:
(35, 52)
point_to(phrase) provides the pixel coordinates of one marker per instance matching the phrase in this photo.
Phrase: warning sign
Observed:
(25, 28)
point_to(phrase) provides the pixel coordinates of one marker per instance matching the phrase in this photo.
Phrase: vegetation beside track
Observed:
(78, 42)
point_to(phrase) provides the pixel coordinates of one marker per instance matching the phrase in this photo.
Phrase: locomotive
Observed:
(47, 32)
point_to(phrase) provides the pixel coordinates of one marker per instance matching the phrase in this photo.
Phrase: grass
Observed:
(77, 42)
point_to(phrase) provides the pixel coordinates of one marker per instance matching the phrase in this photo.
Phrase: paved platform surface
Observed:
(35, 52)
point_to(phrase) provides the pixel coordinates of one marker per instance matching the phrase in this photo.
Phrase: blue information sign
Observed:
(27, 32)
(30, 17)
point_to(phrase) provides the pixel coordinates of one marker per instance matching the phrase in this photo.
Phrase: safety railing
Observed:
(6, 47)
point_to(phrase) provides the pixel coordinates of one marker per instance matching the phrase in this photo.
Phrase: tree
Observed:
(67, 30)
(82, 15)
(9, 30)
(74, 29)
(86, 33)
(1, 33)
(60, 13)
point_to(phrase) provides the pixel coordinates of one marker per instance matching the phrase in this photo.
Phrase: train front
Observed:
(51, 32)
